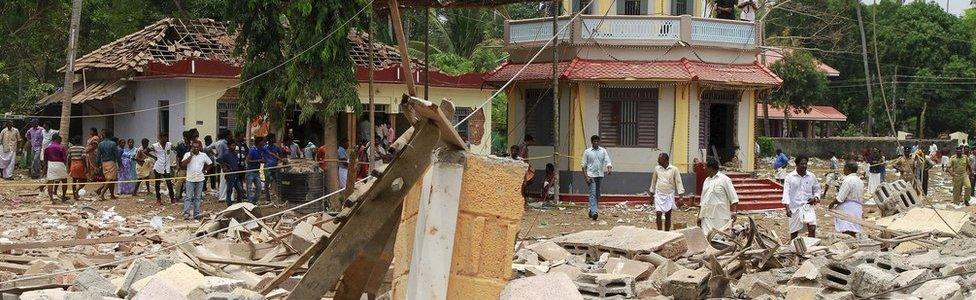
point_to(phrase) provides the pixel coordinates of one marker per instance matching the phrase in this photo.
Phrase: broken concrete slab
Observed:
(214, 284)
(920, 219)
(179, 275)
(542, 287)
(911, 277)
(800, 292)
(158, 288)
(938, 289)
(686, 284)
(756, 284)
(549, 251)
(304, 235)
(90, 281)
(660, 274)
(624, 241)
(695, 240)
(46, 294)
(637, 269)
(605, 285)
(569, 270)
(808, 271)
(870, 279)
(139, 269)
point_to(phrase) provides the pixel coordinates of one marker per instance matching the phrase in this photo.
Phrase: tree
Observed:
(319, 79)
(803, 84)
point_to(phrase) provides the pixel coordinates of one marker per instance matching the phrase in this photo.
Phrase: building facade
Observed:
(646, 76)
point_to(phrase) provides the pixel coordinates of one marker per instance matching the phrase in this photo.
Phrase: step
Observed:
(760, 192)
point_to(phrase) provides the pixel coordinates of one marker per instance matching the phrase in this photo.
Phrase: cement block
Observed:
(686, 284)
(937, 290)
(869, 280)
(807, 271)
(549, 251)
(304, 235)
(569, 270)
(139, 269)
(662, 272)
(549, 286)
(837, 275)
(624, 241)
(756, 284)
(214, 284)
(695, 240)
(605, 285)
(179, 275)
(799, 292)
(637, 269)
(910, 277)
(87, 295)
(48, 294)
(91, 281)
(526, 256)
(159, 288)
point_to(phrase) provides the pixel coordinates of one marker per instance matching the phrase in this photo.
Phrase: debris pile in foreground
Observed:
(228, 257)
(916, 255)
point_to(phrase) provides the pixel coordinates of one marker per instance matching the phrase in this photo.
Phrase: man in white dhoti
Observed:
(9, 137)
(849, 200)
(665, 185)
(801, 192)
(719, 201)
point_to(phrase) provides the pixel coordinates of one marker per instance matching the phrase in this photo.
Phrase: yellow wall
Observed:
(750, 162)
(680, 141)
(578, 137)
(390, 95)
(201, 111)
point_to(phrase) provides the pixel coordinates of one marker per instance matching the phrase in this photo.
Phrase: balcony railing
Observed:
(636, 30)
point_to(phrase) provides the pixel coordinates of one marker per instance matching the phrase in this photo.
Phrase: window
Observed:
(163, 116)
(578, 4)
(538, 115)
(632, 7)
(628, 117)
(681, 7)
(459, 114)
(225, 115)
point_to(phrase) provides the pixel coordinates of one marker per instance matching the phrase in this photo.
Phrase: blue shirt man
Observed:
(271, 153)
(781, 160)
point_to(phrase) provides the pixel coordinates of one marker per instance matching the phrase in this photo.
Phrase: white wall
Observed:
(694, 116)
(145, 124)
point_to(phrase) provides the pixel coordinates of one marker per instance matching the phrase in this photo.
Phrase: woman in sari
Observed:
(128, 170)
(144, 168)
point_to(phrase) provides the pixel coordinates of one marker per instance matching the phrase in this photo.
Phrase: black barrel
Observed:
(300, 185)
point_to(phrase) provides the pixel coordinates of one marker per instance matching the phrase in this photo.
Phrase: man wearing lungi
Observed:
(9, 137)
(107, 155)
(665, 185)
(57, 172)
(849, 199)
(801, 191)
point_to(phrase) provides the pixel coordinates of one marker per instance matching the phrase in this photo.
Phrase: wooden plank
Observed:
(370, 263)
(17, 258)
(430, 111)
(13, 268)
(70, 243)
(433, 238)
(314, 250)
(373, 209)
(240, 262)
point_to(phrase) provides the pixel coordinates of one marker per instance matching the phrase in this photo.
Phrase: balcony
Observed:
(635, 30)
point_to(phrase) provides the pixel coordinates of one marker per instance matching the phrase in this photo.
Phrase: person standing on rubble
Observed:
(56, 156)
(801, 191)
(160, 155)
(875, 169)
(922, 166)
(971, 156)
(196, 162)
(849, 198)
(906, 167)
(595, 161)
(107, 156)
(719, 202)
(9, 137)
(665, 185)
(959, 169)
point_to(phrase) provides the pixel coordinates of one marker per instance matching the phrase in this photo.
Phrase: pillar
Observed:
(577, 140)
(750, 147)
(682, 107)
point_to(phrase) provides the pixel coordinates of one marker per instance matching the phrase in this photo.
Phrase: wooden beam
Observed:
(70, 243)
(240, 262)
(429, 110)
(13, 268)
(402, 45)
(374, 208)
(370, 263)
(314, 250)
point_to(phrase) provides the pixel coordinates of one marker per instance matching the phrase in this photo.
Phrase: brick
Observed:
(502, 177)
(549, 286)
(869, 280)
(158, 288)
(605, 285)
(686, 284)
(549, 251)
(637, 269)
(138, 269)
(937, 290)
(837, 275)
(91, 281)
(304, 235)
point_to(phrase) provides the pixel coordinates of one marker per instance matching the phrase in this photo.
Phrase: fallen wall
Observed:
(821, 147)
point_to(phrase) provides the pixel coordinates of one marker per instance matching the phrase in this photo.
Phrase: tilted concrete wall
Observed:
(489, 213)
(821, 147)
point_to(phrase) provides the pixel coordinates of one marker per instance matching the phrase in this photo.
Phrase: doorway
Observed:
(718, 123)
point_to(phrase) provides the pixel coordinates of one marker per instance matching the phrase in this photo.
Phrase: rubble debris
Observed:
(896, 197)
(624, 241)
(605, 285)
(542, 287)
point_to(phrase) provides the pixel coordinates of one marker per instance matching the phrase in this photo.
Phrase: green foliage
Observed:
(321, 71)
(766, 147)
(803, 84)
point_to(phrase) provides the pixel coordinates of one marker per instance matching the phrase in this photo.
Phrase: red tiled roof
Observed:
(816, 113)
(774, 54)
(680, 70)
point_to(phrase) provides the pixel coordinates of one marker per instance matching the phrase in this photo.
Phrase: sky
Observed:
(955, 6)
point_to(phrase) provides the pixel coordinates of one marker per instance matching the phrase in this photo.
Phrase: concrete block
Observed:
(549, 286)
(526, 256)
(624, 241)
(304, 235)
(138, 269)
(605, 285)
(159, 288)
(46, 266)
(836, 295)
(48, 294)
(214, 284)
(910, 277)
(569, 270)
(869, 280)
(695, 240)
(178, 275)
(837, 275)
(807, 271)
(756, 284)
(165, 261)
(87, 295)
(91, 281)
(686, 284)
(645, 289)
(799, 292)
(637, 269)
(549, 251)
(662, 272)
(236, 294)
(938, 290)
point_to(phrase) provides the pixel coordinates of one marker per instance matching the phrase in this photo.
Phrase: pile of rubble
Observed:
(231, 256)
(912, 250)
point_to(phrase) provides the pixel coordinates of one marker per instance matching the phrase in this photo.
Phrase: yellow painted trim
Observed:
(751, 133)
(659, 9)
(510, 94)
(603, 6)
(578, 137)
(698, 7)
(566, 7)
(679, 143)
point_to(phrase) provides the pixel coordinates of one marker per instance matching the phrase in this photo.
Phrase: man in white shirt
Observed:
(801, 191)
(665, 185)
(595, 161)
(195, 162)
(747, 11)
(161, 152)
(849, 200)
(719, 202)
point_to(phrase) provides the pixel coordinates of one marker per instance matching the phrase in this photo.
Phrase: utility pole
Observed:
(69, 70)
(372, 91)
(427, 54)
(894, 99)
(555, 97)
(867, 71)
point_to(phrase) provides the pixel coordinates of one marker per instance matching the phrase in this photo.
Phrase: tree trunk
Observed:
(331, 144)
(766, 116)
(786, 122)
